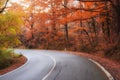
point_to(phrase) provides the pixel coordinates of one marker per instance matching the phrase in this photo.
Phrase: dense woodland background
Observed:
(76, 25)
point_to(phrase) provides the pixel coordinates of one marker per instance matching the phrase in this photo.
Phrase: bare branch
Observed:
(2, 9)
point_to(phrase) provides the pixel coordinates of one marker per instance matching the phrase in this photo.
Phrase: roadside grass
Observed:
(7, 57)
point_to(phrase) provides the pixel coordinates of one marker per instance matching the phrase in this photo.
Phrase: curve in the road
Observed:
(106, 72)
(54, 65)
(37, 66)
(27, 61)
(54, 61)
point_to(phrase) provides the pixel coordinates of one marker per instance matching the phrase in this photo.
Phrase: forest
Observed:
(74, 25)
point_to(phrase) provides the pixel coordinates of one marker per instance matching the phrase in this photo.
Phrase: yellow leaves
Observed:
(11, 31)
(2, 3)
(10, 25)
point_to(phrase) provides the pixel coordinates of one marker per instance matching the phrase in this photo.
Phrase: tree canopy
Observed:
(80, 25)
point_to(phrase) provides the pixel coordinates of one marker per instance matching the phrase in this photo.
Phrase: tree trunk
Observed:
(116, 8)
(118, 20)
(2, 9)
(66, 36)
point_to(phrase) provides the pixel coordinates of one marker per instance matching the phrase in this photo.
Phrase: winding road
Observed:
(54, 65)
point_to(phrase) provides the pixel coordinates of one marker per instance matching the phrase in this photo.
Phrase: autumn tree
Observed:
(76, 24)
(9, 27)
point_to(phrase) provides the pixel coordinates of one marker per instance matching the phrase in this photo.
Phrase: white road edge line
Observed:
(54, 65)
(103, 69)
(27, 61)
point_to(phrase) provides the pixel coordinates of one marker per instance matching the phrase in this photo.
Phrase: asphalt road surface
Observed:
(54, 65)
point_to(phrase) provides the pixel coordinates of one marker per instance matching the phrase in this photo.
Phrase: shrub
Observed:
(6, 57)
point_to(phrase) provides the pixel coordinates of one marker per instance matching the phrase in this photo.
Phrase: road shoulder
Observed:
(17, 63)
